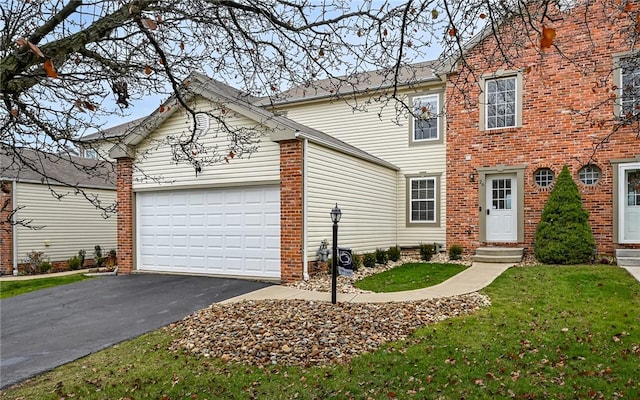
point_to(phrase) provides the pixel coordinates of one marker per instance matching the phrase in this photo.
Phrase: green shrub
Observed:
(74, 263)
(563, 235)
(357, 261)
(44, 267)
(82, 255)
(369, 260)
(97, 256)
(394, 253)
(455, 252)
(427, 251)
(381, 256)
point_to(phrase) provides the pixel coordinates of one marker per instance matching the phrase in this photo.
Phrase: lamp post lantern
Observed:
(335, 218)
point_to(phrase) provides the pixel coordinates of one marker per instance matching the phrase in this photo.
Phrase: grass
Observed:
(14, 288)
(551, 332)
(409, 276)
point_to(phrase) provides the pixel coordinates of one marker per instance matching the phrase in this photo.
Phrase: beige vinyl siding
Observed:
(382, 137)
(365, 193)
(67, 225)
(154, 158)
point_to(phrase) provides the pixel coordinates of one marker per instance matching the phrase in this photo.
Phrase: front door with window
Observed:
(629, 203)
(501, 208)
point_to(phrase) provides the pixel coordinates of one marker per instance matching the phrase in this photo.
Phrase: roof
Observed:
(408, 75)
(112, 132)
(241, 103)
(33, 166)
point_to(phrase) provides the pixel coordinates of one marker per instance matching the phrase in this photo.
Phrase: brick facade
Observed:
(6, 228)
(124, 169)
(291, 224)
(567, 111)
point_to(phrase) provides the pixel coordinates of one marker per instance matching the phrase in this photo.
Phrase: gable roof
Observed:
(366, 82)
(32, 166)
(112, 132)
(242, 104)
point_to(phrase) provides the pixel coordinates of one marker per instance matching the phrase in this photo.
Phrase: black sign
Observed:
(345, 262)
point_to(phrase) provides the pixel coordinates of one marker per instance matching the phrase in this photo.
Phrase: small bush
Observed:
(455, 252)
(394, 253)
(112, 259)
(381, 256)
(82, 255)
(34, 259)
(44, 267)
(97, 256)
(427, 251)
(74, 263)
(369, 260)
(357, 261)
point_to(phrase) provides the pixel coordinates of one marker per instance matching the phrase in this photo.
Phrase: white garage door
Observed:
(232, 231)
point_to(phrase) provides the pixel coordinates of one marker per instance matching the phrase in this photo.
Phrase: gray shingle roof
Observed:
(33, 166)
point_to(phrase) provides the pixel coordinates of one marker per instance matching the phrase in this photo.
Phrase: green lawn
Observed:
(14, 288)
(409, 276)
(551, 333)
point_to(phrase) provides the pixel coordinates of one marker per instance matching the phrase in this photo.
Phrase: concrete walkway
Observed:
(472, 279)
(634, 271)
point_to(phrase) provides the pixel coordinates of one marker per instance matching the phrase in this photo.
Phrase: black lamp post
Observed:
(335, 218)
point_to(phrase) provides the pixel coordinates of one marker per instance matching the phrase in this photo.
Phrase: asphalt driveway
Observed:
(47, 328)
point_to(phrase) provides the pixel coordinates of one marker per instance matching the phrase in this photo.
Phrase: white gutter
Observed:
(14, 225)
(305, 196)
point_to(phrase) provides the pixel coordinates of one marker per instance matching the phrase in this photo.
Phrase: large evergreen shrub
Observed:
(563, 235)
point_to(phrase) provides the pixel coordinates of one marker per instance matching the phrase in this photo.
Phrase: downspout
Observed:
(305, 196)
(397, 208)
(14, 226)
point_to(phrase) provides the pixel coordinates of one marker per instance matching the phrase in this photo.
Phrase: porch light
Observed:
(336, 214)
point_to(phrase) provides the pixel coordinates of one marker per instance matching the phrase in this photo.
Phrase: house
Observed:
(430, 163)
(526, 111)
(265, 216)
(55, 204)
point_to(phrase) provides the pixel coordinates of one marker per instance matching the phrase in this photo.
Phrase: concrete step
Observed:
(498, 254)
(628, 257)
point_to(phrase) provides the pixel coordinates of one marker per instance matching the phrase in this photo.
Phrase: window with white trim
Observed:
(422, 201)
(630, 86)
(425, 118)
(501, 106)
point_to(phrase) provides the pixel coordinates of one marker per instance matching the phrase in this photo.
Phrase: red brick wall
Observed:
(6, 228)
(291, 211)
(124, 170)
(567, 111)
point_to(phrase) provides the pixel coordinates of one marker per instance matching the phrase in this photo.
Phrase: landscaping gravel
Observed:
(305, 333)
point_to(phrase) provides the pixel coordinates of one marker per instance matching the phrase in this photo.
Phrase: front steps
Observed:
(506, 255)
(628, 257)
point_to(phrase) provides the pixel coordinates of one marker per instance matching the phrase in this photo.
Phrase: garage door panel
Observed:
(232, 231)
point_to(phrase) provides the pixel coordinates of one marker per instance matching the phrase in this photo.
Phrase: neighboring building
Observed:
(266, 216)
(47, 211)
(519, 120)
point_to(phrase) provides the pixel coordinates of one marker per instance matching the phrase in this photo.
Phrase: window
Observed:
(90, 153)
(422, 200)
(630, 86)
(543, 177)
(589, 174)
(633, 188)
(501, 104)
(425, 118)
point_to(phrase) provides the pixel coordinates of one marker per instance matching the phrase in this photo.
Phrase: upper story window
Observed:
(425, 118)
(90, 153)
(630, 86)
(501, 103)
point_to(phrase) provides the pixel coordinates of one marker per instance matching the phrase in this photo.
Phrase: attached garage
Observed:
(223, 231)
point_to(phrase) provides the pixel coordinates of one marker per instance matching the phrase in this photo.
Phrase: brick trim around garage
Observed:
(6, 228)
(291, 224)
(124, 169)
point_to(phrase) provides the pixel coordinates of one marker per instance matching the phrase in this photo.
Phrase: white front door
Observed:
(501, 208)
(629, 203)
